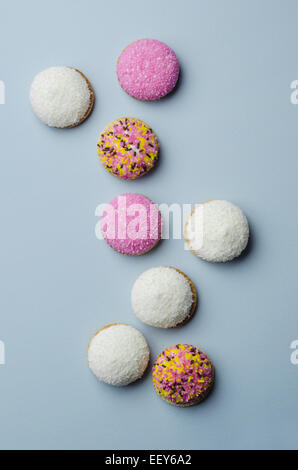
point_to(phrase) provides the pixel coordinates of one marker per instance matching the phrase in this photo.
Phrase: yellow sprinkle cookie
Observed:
(128, 148)
(183, 375)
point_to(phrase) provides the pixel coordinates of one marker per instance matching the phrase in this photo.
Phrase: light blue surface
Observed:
(229, 132)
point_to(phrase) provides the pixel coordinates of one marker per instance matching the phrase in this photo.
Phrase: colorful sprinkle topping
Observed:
(128, 148)
(182, 374)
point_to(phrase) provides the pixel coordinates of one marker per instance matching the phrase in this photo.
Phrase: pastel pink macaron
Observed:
(131, 224)
(148, 69)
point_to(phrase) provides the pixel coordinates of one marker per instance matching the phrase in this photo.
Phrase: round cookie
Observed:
(128, 148)
(216, 231)
(118, 354)
(131, 224)
(163, 297)
(61, 97)
(148, 69)
(183, 375)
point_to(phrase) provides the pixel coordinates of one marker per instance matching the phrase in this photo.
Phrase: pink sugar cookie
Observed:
(131, 224)
(148, 69)
(183, 375)
(128, 148)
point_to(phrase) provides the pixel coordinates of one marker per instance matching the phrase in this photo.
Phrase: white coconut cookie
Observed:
(216, 231)
(118, 354)
(163, 297)
(61, 97)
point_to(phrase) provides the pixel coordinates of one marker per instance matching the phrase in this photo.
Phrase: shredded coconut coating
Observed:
(118, 354)
(183, 375)
(135, 225)
(128, 148)
(162, 297)
(217, 231)
(148, 69)
(60, 96)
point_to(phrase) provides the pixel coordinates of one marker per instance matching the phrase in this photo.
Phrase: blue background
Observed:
(228, 132)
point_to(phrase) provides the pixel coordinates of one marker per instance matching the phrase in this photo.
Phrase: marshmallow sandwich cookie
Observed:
(164, 297)
(128, 148)
(61, 97)
(216, 231)
(183, 375)
(131, 224)
(148, 69)
(118, 354)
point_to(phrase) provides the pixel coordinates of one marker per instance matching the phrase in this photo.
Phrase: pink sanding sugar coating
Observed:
(148, 69)
(131, 224)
